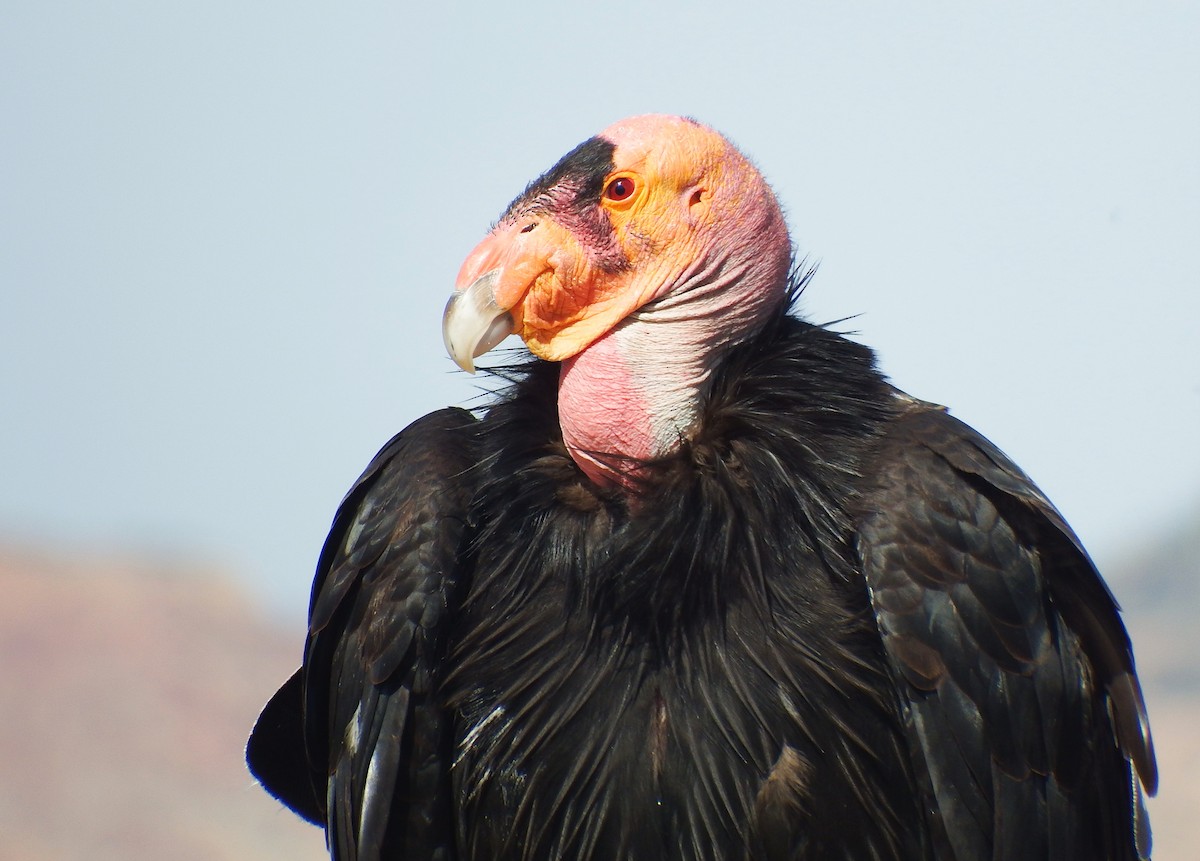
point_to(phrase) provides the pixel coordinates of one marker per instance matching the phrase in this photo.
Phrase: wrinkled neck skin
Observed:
(634, 395)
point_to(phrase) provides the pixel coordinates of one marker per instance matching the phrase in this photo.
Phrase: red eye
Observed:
(621, 188)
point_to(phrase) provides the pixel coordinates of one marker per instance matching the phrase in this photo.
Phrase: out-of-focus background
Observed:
(227, 231)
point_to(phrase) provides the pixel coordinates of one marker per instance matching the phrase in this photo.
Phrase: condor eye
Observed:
(621, 188)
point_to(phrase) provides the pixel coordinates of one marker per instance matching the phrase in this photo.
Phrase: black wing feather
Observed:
(275, 752)
(1009, 653)
(374, 733)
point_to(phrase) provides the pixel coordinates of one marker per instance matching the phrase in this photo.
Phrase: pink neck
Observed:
(605, 417)
(634, 394)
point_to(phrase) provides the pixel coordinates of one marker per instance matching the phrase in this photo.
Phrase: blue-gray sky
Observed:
(227, 231)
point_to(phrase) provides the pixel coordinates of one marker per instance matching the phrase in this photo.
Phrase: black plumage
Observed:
(836, 623)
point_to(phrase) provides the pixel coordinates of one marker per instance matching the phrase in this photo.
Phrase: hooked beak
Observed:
(531, 276)
(491, 285)
(473, 323)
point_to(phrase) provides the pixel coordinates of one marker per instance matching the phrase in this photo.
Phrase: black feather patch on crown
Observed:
(582, 170)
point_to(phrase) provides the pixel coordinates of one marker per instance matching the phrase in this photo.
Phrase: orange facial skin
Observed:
(590, 243)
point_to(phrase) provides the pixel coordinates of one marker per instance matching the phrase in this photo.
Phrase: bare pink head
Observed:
(636, 260)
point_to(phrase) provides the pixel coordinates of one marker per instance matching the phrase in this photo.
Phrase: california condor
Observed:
(700, 583)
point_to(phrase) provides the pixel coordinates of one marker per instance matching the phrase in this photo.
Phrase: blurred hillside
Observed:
(128, 688)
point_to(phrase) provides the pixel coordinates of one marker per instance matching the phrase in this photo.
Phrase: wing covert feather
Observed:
(386, 577)
(1008, 649)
